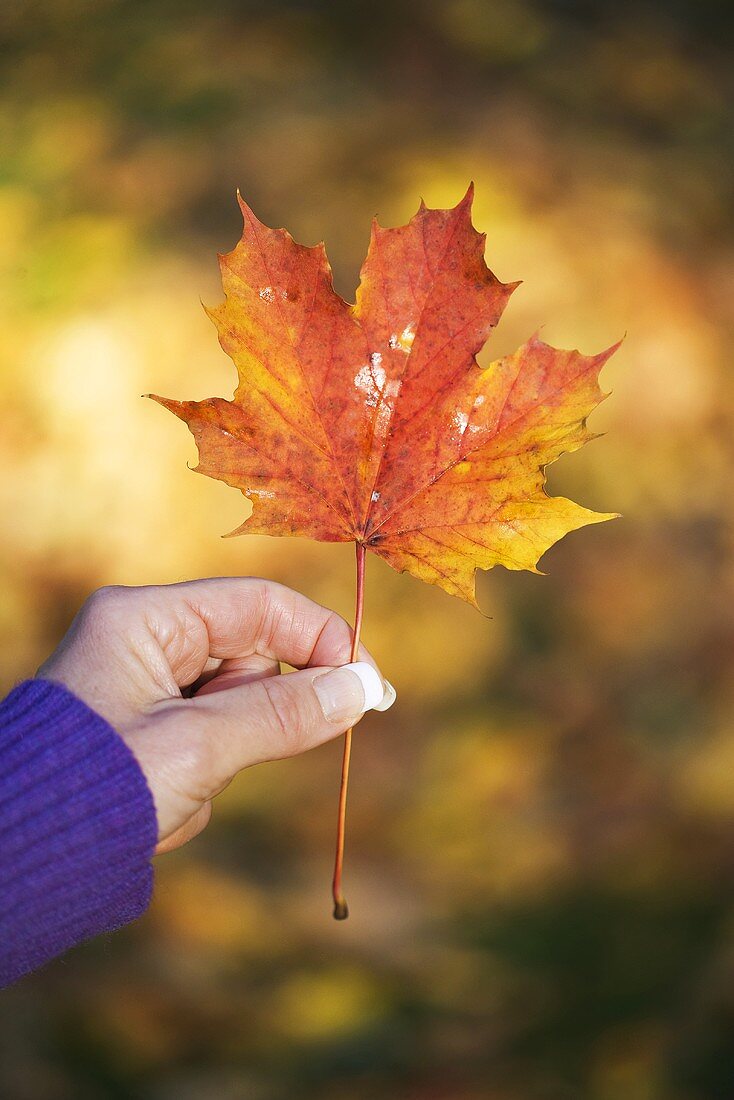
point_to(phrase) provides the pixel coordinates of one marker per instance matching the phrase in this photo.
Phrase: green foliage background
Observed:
(541, 855)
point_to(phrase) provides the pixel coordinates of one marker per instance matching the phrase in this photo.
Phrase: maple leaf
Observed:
(373, 423)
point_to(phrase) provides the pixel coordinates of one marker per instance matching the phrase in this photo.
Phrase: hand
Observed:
(189, 676)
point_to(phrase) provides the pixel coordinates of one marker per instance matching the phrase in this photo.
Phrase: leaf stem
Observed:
(341, 910)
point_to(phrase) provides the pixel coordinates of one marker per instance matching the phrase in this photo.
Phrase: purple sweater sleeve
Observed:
(77, 827)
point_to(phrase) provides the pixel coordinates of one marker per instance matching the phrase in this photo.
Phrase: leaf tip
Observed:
(472, 600)
(599, 517)
(249, 217)
(245, 209)
(211, 311)
(603, 356)
(465, 589)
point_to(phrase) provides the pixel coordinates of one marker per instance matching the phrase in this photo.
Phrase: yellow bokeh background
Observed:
(540, 850)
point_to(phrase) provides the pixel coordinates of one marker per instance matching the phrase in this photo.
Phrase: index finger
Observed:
(245, 615)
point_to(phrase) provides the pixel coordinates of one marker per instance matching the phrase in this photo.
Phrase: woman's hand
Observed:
(134, 653)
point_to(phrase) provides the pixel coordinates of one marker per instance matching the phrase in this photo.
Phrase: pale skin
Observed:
(189, 676)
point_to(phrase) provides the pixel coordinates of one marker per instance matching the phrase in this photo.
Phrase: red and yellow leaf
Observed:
(373, 423)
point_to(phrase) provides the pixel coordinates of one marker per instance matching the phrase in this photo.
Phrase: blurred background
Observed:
(540, 859)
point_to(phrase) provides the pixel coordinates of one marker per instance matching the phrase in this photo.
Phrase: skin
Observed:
(189, 676)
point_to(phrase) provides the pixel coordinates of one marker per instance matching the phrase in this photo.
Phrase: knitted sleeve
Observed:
(77, 827)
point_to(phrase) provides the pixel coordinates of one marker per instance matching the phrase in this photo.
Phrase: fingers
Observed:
(164, 637)
(130, 651)
(285, 715)
(248, 615)
(190, 749)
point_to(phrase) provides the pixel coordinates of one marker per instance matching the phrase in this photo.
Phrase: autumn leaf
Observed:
(374, 424)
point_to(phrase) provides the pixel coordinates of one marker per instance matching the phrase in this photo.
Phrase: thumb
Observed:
(284, 715)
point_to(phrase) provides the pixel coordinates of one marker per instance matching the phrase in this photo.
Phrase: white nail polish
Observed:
(371, 683)
(388, 698)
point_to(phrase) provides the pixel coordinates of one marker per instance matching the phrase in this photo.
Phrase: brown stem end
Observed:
(341, 909)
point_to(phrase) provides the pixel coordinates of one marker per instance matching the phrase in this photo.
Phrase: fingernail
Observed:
(349, 691)
(388, 698)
